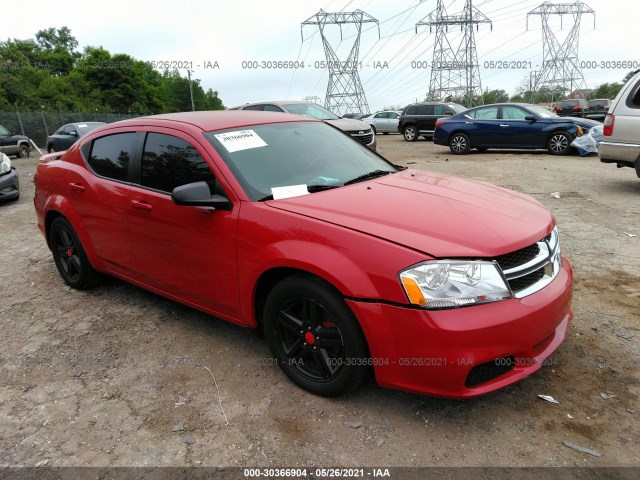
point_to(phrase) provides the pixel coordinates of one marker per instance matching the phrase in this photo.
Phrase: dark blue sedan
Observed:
(510, 125)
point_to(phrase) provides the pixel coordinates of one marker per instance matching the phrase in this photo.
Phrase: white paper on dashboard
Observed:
(289, 191)
(240, 140)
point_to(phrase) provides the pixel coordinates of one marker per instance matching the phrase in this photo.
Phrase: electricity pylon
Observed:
(560, 70)
(455, 71)
(312, 98)
(344, 89)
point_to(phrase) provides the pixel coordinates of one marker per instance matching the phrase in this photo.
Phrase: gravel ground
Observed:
(118, 376)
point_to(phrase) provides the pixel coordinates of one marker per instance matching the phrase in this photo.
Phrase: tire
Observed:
(410, 133)
(23, 150)
(315, 337)
(69, 256)
(51, 149)
(559, 143)
(459, 144)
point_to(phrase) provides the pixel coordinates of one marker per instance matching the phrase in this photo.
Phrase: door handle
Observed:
(468, 123)
(504, 126)
(141, 205)
(76, 187)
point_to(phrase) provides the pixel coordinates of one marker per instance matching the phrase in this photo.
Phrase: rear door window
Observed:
(110, 155)
(425, 110)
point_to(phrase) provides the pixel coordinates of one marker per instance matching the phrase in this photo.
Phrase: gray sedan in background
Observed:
(383, 122)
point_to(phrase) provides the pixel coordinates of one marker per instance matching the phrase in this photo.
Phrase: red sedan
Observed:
(347, 263)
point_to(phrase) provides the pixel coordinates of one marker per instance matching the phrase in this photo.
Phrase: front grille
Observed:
(519, 257)
(486, 372)
(365, 138)
(531, 268)
(521, 283)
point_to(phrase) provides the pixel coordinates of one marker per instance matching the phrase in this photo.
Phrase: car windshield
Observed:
(87, 127)
(311, 154)
(542, 112)
(310, 110)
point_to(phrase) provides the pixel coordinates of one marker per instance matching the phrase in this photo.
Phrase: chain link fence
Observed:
(39, 125)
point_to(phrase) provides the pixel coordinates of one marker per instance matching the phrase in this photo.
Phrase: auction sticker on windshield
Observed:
(289, 191)
(240, 140)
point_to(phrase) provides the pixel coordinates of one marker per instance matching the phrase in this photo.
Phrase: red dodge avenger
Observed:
(348, 264)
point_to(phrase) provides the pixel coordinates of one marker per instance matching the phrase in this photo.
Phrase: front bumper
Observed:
(466, 352)
(9, 185)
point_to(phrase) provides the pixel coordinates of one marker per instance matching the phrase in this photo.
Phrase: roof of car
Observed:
(216, 120)
(86, 123)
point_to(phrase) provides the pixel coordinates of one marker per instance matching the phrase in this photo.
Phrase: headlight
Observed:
(6, 164)
(453, 283)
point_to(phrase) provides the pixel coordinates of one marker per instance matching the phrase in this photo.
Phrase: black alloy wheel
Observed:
(314, 336)
(69, 256)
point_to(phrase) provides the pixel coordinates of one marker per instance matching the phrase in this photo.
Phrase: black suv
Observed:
(574, 107)
(14, 144)
(419, 119)
(597, 109)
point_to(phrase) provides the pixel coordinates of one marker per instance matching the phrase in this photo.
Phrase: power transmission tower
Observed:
(455, 71)
(344, 90)
(560, 70)
(312, 98)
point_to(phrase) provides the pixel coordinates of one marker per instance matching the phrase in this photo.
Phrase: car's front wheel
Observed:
(314, 336)
(23, 151)
(459, 143)
(51, 149)
(70, 257)
(559, 143)
(410, 133)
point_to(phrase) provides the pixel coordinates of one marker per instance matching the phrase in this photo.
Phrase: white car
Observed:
(383, 122)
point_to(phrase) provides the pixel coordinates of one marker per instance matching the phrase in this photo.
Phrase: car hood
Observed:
(349, 124)
(439, 215)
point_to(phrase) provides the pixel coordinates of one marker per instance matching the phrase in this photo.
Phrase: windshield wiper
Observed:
(319, 188)
(368, 176)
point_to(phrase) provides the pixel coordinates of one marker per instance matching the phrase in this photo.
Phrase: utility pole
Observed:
(344, 89)
(454, 70)
(193, 107)
(560, 70)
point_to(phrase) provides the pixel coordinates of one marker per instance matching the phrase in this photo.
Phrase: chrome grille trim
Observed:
(548, 262)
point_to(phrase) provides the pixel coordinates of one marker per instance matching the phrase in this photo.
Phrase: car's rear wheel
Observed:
(23, 151)
(559, 143)
(70, 257)
(459, 143)
(314, 336)
(410, 133)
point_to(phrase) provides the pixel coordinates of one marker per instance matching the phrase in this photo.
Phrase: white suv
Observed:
(621, 143)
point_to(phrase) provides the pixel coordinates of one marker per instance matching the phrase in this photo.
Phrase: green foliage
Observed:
(48, 73)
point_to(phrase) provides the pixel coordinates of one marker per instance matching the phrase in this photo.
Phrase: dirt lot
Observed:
(116, 376)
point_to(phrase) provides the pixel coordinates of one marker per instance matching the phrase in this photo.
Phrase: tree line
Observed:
(48, 73)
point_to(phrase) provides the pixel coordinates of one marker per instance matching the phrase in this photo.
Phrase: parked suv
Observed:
(419, 120)
(14, 144)
(597, 109)
(621, 144)
(573, 107)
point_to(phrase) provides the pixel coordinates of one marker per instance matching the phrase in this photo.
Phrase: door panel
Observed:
(189, 252)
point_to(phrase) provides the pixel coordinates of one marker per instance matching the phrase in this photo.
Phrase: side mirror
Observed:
(198, 195)
(530, 118)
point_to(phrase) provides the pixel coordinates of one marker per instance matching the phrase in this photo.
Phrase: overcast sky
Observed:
(200, 33)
